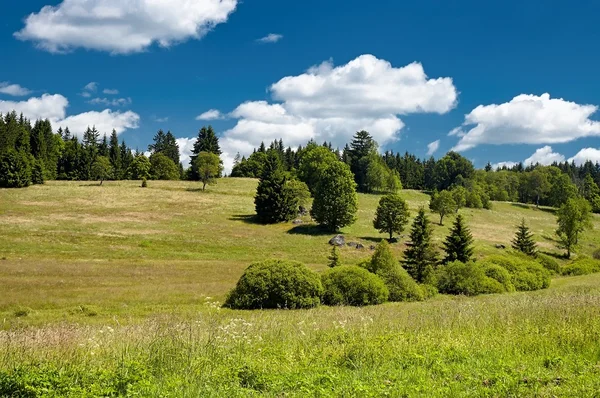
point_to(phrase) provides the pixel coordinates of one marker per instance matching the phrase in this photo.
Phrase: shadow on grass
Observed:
(194, 190)
(310, 229)
(550, 238)
(559, 256)
(95, 184)
(372, 239)
(546, 209)
(246, 218)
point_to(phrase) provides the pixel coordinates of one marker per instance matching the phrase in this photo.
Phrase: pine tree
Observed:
(458, 245)
(523, 240)
(420, 257)
(274, 202)
(334, 258)
(115, 155)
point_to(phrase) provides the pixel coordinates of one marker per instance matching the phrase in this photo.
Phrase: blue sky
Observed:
(330, 68)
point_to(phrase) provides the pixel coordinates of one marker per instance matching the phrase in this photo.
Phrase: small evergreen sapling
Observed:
(523, 240)
(420, 257)
(334, 258)
(459, 244)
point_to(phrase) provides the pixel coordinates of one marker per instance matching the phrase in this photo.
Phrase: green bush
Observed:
(469, 279)
(401, 285)
(352, 285)
(549, 263)
(501, 275)
(276, 284)
(582, 266)
(526, 273)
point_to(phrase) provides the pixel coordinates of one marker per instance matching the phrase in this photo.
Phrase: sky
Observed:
(509, 81)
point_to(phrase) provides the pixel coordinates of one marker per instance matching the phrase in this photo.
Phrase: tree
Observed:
(207, 141)
(538, 184)
(114, 155)
(165, 144)
(163, 168)
(523, 240)
(15, 169)
(273, 201)
(334, 258)
(561, 190)
(101, 169)
(361, 146)
(209, 167)
(443, 204)
(591, 192)
(459, 194)
(312, 164)
(336, 203)
(298, 190)
(448, 169)
(420, 257)
(573, 218)
(391, 215)
(458, 245)
(139, 167)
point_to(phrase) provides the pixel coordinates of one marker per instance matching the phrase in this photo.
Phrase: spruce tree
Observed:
(420, 257)
(334, 258)
(274, 202)
(458, 245)
(523, 240)
(115, 155)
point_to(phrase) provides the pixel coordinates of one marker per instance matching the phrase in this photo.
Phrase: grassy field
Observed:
(115, 290)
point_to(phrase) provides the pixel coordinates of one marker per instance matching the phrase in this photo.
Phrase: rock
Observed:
(352, 244)
(498, 246)
(297, 222)
(338, 240)
(372, 247)
(360, 246)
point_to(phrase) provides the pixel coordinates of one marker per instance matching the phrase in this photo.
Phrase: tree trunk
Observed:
(441, 219)
(101, 181)
(203, 186)
(391, 235)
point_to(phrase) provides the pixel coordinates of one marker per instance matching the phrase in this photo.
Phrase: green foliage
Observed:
(163, 167)
(352, 285)
(139, 168)
(101, 169)
(399, 283)
(459, 243)
(391, 215)
(334, 258)
(420, 258)
(312, 163)
(500, 274)
(165, 144)
(276, 284)
(450, 169)
(523, 240)
(298, 190)
(473, 200)
(208, 168)
(548, 263)
(573, 218)
(596, 254)
(37, 172)
(336, 203)
(15, 170)
(459, 194)
(526, 273)
(468, 279)
(274, 202)
(443, 204)
(582, 266)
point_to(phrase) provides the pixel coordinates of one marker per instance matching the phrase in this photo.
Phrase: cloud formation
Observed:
(544, 156)
(433, 147)
(585, 154)
(13, 89)
(111, 102)
(122, 26)
(109, 91)
(527, 119)
(212, 114)
(270, 38)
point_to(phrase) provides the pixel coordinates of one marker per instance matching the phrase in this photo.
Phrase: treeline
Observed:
(31, 153)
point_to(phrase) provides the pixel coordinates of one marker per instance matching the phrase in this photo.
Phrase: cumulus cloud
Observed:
(123, 26)
(109, 91)
(54, 108)
(13, 89)
(433, 147)
(91, 87)
(504, 164)
(186, 146)
(270, 38)
(585, 154)
(332, 103)
(527, 119)
(160, 119)
(111, 102)
(212, 114)
(544, 156)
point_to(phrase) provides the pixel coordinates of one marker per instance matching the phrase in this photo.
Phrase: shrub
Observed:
(401, 285)
(352, 285)
(276, 284)
(582, 266)
(22, 312)
(144, 183)
(526, 273)
(466, 278)
(549, 263)
(501, 275)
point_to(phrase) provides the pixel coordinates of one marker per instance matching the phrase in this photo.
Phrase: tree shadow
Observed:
(559, 256)
(194, 190)
(533, 207)
(371, 239)
(95, 184)
(521, 205)
(246, 218)
(309, 229)
(550, 238)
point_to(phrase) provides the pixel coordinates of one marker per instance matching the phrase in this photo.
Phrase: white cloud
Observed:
(332, 103)
(270, 38)
(586, 154)
(433, 147)
(111, 102)
(212, 114)
(186, 146)
(527, 119)
(85, 94)
(13, 89)
(160, 119)
(123, 26)
(109, 91)
(92, 87)
(499, 165)
(54, 108)
(544, 156)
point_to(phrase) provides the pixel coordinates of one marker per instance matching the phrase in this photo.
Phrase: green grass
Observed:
(112, 290)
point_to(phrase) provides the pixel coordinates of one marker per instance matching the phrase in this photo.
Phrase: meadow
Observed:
(116, 290)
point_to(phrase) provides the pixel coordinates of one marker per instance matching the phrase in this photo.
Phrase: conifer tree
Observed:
(334, 258)
(458, 245)
(523, 240)
(115, 155)
(420, 257)
(207, 141)
(274, 202)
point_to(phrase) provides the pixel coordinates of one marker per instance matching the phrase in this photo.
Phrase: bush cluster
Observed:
(582, 266)
(352, 285)
(526, 273)
(469, 279)
(548, 263)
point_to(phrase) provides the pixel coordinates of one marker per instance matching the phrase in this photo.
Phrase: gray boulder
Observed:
(360, 246)
(352, 244)
(337, 240)
(499, 246)
(297, 222)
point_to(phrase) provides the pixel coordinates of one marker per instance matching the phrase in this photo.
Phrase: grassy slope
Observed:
(159, 252)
